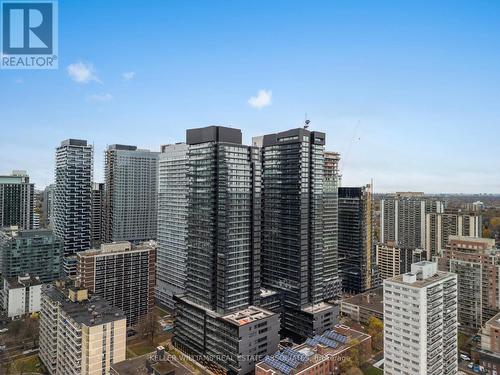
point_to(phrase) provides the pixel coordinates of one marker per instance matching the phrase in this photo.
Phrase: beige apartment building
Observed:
(79, 333)
(476, 261)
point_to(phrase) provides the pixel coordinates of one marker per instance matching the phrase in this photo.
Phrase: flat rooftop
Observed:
(15, 232)
(91, 312)
(116, 247)
(438, 276)
(22, 281)
(370, 300)
(331, 343)
(133, 366)
(248, 315)
(317, 307)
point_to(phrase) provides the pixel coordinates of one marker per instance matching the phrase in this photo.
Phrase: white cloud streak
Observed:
(82, 73)
(261, 100)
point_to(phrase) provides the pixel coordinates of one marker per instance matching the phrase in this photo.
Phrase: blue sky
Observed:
(407, 91)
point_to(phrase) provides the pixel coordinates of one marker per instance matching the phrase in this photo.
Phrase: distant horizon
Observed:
(407, 92)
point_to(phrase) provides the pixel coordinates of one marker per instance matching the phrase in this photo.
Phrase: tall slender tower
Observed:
(332, 283)
(171, 269)
(356, 254)
(294, 255)
(131, 177)
(72, 199)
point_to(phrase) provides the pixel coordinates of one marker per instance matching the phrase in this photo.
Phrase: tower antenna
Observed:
(306, 122)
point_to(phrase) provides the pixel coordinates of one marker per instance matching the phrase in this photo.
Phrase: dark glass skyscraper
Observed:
(293, 240)
(356, 254)
(218, 316)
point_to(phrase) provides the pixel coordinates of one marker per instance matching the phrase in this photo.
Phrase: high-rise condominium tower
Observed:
(440, 226)
(476, 261)
(402, 218)
(72, 199)
(130, 198)
(332, 283)
(171, 272)
(17, 196)
(420, 322)
(357, 266)
(295, 260)
(216, 317)
(121, 274)
(48, 206)
(97, 213)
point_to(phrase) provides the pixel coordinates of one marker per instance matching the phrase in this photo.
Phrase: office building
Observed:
(361, 307)
(48, 206)
(79, 333)
(393, 260)
(73, 199)
(318, 355)
(97, 212)
(17, 197)
(402, 218)
(332, 284)
(357, 267)
(293, 228)
(440, 226)
(171, 271)
(34, 252)
(21, 296)
(122, 274)
(476, 261)
(420, 322)
(218, 317)
(131, 177)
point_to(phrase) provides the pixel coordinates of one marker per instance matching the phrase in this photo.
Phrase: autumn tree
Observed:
(375, 329)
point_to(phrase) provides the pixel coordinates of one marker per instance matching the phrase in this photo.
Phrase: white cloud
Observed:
(82, 73)
(261, 100)
(127, 76)
(105, 97)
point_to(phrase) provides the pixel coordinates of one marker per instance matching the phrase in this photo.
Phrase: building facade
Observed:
(48, 206)
(131, 177)
(122, 274)
(402, 218)
(440, 226)
(34, 252)
(489, 350)
(219, 307)
(79, 334)
(72, 199)
(17, 197)
(21, 295)
(476, 262)
(357, 267)
(420, 322)
(332, 283)
(97, 227)
(171, 270)
(295, 260)
(361, 307)
(393, 260)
